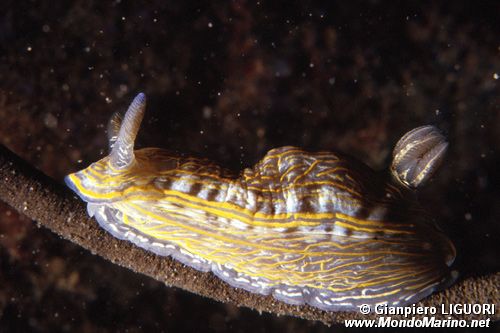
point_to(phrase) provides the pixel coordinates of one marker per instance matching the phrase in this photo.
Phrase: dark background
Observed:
(229, 81)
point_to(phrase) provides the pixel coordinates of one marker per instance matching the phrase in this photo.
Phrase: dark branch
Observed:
(54, 206)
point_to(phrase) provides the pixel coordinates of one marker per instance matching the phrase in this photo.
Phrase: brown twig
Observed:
(54, 206)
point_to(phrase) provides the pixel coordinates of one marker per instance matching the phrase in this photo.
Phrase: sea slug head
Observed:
(417, 156)
(104, 180)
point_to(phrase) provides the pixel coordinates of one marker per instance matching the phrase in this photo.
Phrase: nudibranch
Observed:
(308, 228)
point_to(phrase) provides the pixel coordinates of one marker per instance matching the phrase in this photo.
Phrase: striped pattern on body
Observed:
(315, 228)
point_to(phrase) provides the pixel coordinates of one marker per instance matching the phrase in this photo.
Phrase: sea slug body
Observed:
(309, 228)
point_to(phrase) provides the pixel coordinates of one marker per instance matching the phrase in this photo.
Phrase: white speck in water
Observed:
(210, 24)
(207, 112)
(495, 76)
(438, 112)
(331, 80)
(468, 216)
(122, 90)
(50, 120)
(29, 49)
